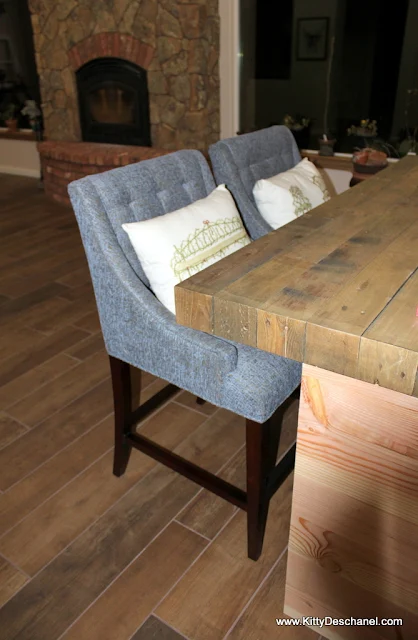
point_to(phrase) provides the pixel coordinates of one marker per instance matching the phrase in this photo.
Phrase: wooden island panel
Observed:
(353, 548)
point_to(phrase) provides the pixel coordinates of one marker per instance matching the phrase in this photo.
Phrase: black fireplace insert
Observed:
(113, 102)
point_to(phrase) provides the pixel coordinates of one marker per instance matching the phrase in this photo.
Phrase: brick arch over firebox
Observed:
(115, 45)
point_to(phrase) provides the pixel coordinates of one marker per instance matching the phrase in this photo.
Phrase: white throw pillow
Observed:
(290, 194)
(174, 246)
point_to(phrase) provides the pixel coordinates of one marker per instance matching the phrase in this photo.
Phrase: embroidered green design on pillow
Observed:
(318, 182)
(207, 245)
(300, 201)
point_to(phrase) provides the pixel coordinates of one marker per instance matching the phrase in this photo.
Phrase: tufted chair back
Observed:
(145, 190)
(241, 161)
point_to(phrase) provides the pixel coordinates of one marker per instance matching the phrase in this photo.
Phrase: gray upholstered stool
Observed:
(139, 331)
(239, 162)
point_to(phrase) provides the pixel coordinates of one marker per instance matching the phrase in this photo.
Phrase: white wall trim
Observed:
(229, 66)
(17, 171)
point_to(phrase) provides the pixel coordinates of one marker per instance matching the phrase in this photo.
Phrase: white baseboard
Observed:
(20, 171)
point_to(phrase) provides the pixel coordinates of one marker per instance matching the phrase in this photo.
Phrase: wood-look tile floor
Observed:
(84, 555)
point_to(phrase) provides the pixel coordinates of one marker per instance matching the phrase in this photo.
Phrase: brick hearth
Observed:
(63, 162)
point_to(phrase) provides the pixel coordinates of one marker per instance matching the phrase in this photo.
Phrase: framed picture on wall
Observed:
(312, 38)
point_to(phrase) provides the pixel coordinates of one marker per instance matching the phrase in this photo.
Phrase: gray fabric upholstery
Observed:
(241, 161)
(137, 328)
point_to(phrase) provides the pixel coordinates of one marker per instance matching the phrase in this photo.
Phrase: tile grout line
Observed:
(151, 541)
(192, 564)
(52, 495)
(250, 600)
(37, 367)
(15, 566)
(192, 530)
(22, 424)
(104, 513)
(217, 473)
(78, 363)
(119, 574)
(66, 446)
(180, 633)
(78, 474)
(142, 550)
(107, 377)
(201, 413)
(90, 333)
(83, 470)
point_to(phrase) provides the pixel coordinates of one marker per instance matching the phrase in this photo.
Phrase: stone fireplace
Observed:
(171, 45)
(175, 41)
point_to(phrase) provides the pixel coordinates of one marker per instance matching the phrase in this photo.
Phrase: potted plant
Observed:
(9, 117)
(369, 160)
(300, 127)
(366, 129)
(32, 111)
(327, 142)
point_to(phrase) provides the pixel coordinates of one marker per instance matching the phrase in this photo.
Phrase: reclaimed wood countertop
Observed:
(337, 288)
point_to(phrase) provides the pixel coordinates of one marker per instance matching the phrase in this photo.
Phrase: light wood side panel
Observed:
(354, 526)
(194, 309)
(387, 366)
(236, 322)
(282, 336)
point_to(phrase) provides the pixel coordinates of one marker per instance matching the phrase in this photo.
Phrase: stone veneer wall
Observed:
(177, 41)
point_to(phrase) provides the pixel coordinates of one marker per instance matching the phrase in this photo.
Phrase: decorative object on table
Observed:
(312, 39)
(409, 144)
(9, 117)
(175, 246)
(300, 126)
(326, 143)
(283, 198)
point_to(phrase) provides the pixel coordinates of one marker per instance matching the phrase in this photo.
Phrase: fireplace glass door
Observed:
(113, 102)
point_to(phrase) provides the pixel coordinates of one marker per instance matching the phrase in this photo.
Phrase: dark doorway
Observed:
(113, 102)
(390, 30)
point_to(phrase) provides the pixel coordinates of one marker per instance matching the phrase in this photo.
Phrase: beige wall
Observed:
(229, 67)
(19, 157)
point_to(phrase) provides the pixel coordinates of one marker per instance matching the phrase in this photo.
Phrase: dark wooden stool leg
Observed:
(262, 442)
(122, 399)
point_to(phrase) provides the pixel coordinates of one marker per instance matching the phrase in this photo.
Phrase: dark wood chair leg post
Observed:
(262, 442)
(122, 399)
(257, 480)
